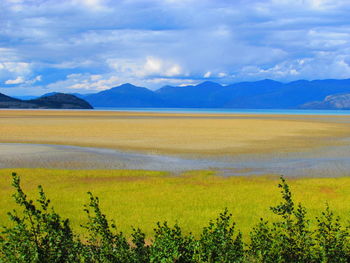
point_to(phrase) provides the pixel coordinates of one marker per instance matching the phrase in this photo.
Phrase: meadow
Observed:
(142, 198)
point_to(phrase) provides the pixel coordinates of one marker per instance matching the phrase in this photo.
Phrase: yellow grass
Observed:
(171, 133)
(141, 198)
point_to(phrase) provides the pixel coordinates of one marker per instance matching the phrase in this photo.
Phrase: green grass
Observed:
(141, 198)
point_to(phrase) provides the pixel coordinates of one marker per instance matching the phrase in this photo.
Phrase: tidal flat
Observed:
(231, 144)
(174, 133)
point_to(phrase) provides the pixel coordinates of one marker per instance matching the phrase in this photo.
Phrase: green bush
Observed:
(287, 240)
(332, 239)
(218, 242)
(39, 234)
(170, 245)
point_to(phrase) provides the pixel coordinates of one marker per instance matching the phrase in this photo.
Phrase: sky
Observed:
(87, 46)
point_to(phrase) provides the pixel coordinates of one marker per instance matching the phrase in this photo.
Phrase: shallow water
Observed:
(322, 162)
(229, 111)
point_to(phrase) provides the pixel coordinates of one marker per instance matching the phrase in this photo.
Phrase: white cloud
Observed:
(14, 72)
(323, 64)
(85, 83)
(71, 64)
(34, 80)
(207, 74)
(17, 80)
(93, 5)
(95, 77)
(312, 4)
(157, 66)
(16, 67)
(151, 66)
(173, 71)
(22, 80)
(171, 81)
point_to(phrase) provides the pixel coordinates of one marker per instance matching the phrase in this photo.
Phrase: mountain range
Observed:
(264, 94)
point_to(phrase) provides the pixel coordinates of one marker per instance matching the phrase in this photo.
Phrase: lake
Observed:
(228, 111)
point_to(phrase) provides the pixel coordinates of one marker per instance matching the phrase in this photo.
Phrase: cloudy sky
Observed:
(91, 45)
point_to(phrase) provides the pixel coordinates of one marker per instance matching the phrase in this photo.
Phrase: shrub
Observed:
(332, 238)
(38, 233)
(287, 240)
(170, 245)
(104, 243)
(218, 242)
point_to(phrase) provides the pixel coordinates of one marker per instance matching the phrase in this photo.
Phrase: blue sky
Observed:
(91, 45)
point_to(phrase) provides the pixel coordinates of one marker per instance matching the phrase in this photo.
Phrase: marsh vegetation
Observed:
(141, 198)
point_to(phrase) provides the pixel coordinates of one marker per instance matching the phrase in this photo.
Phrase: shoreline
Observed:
(201, 111)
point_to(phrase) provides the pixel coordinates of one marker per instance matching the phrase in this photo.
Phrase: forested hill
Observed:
(54, 101)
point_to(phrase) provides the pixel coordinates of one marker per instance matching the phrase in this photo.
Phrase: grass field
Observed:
(141, 198)
(172, 133)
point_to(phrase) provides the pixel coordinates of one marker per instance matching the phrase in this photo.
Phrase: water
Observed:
(208, 111)
(229, 111)
(326, 162)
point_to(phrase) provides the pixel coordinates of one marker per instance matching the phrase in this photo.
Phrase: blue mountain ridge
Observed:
(264, 94)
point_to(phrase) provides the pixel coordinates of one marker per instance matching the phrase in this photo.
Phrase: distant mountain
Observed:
(28, 97)
(246, 94)
(334, 102)
(199, 96)
(80, 96)
(47, 94)
(126, 95)
(55, 101)
(292, 95)
(264, 94)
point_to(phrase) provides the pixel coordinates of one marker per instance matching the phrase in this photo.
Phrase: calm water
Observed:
(209, 111)
(229, 111)
(326, 162)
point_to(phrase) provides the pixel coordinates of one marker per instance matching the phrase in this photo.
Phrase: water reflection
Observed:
(326, 161)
